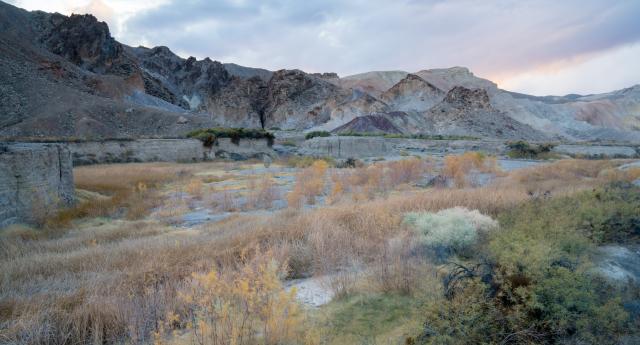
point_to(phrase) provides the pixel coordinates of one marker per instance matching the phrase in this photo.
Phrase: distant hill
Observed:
(67, 76)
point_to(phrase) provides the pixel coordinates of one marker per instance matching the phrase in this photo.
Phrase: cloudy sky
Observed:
(539, 47)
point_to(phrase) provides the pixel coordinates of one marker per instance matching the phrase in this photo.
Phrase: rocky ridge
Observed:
(67, 76)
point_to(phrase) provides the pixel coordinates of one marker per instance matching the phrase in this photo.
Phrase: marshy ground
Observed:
(459, 249)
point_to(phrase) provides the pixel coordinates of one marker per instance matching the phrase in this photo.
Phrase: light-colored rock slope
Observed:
(374, 83)
(611, 116)
(412, 93)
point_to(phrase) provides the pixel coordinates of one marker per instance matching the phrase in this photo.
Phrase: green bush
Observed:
(209, 135)
(522, 149)
(314, 134)
(531, 280)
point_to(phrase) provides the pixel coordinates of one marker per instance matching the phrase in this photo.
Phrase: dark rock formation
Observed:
(468, 112)
(369, 124)
(86, 42)
(298, 100)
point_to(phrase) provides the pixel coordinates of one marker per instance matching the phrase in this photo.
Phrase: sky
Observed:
(539, 47)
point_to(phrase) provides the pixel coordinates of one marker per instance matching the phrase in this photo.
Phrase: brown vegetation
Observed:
(121, 279)
(459, 167)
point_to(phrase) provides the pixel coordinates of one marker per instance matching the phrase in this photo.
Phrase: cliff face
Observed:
(67, 76)
(34, 180)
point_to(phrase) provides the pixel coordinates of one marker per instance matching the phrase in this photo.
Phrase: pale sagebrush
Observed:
(454, 228)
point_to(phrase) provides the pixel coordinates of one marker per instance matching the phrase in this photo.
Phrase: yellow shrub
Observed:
(310, 183)
(195, 188)
(336, 192)
(262, 194)
(244, 306)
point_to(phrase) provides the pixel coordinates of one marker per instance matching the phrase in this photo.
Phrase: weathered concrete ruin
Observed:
(35, 179)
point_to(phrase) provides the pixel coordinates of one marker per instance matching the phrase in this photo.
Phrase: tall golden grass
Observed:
(458, 167)
(310, 183)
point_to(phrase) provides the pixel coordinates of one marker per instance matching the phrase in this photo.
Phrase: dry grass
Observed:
(108, 282)
(458, 167)
(132, 190)
(262, 193)
(310, 184)
(568, 175)
(365, 183)
(128, 190)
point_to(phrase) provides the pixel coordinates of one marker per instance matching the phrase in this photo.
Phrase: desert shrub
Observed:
(262, 193)
(458, 167)
(350, 163)
(455, 228)
(565, 175)
(315, 134)
(535, 283)
(564, 306)
(309, 184)
(399, 268)
(561, 229)
(366, 182)
(209, 135)
(244, 306)
(522, 149)
(406, 171)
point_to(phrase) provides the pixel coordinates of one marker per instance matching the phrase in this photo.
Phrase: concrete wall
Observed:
(597, 150)
(165, 150)
(363, 147)
(34, 180)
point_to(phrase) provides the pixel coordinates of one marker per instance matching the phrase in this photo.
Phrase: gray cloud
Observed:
(494, 38)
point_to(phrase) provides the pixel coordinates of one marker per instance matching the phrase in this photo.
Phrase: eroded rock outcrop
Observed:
(299, 100)
(468, 112)
(35, 179)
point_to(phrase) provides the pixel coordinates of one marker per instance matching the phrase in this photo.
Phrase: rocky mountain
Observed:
(378, 123)
(469, 112)
(374, 83)
(412, 93)
(67, 76)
